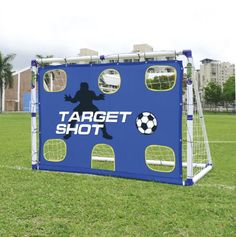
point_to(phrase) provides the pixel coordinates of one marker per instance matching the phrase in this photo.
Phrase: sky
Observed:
(61, 28)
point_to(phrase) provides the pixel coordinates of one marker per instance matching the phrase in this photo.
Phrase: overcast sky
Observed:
(61, 27)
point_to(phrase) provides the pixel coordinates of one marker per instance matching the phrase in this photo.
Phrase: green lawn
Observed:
(35, 203)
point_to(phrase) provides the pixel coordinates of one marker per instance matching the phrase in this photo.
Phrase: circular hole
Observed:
(109, 81)
(146, 123)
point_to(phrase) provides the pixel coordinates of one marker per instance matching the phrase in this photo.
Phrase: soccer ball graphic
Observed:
(146, 123)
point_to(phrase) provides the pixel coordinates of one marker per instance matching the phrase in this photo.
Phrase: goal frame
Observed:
(162, 55)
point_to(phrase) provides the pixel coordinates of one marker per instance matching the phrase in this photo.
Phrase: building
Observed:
(17, 98)
(142, 48)
(213, 71)
(226, 70)
(87, 52)
(216, 71)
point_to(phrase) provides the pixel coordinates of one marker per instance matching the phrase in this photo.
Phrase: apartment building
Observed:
(214, 70)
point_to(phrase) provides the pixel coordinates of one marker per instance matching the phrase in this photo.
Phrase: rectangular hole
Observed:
(54, 150)
(160, 78)
(103, 157)
(160, 158)
(54, 80)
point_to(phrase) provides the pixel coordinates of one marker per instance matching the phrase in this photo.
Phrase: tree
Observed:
(229, 91)
(213, 94)
(6, 78)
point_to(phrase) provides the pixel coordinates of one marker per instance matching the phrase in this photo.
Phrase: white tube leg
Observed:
(33, 117)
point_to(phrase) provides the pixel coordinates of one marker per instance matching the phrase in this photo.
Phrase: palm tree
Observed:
(6, 78)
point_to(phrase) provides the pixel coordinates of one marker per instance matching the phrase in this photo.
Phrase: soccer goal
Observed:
(134, 115)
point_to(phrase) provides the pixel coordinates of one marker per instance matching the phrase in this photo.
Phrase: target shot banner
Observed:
(132, 107)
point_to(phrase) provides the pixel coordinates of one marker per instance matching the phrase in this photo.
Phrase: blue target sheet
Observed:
(96, 117)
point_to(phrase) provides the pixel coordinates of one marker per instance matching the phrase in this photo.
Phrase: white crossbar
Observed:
(115, 57)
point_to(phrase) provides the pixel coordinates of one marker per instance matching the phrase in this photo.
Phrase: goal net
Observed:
(200, 147)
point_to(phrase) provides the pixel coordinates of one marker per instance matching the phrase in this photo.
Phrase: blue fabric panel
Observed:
(128, 143)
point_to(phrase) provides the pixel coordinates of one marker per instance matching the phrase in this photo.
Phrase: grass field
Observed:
(35, 203)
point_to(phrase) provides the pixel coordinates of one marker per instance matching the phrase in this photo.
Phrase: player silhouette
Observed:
(85, 97)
